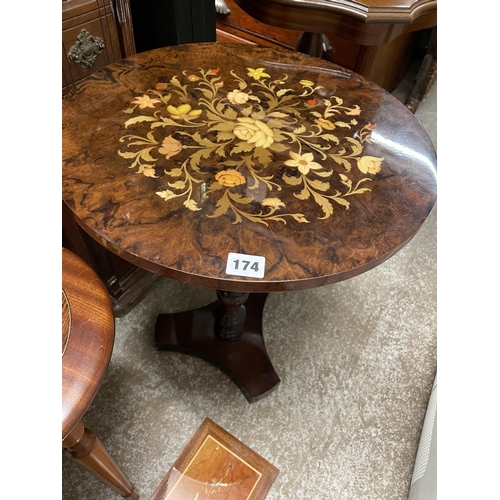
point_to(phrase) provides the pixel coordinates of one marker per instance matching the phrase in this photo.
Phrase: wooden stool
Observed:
(87, 342)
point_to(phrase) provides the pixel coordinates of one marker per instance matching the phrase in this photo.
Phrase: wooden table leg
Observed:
(228, 334)
(313, 44)
(426, 76)
(85, 448)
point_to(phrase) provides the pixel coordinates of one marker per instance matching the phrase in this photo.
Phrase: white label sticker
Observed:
(240, 264)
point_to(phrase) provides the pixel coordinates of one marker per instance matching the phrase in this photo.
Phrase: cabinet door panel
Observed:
(90, 38)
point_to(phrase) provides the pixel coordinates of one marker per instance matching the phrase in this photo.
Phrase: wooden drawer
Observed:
(94, 33)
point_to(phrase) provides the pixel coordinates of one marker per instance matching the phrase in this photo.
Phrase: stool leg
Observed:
(85, 448)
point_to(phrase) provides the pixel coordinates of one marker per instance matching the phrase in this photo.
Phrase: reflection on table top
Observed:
(178, 157)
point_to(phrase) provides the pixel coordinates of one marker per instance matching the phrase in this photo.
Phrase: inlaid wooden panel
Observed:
(66, 321)
(180, 156)
(217, 466)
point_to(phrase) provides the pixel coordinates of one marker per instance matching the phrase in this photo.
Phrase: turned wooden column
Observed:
(230, 315)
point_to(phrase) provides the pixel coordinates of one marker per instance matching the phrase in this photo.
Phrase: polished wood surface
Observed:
(162, 168)
(124, 281)
(94, 34)
(367, 22)
(88, 331)
(238, 26)
(88, 336)
(214, 464)
(383, 64)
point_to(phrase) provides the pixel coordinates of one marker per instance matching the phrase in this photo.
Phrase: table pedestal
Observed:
(228, 334)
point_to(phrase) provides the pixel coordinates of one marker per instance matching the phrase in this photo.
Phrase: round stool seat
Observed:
(88, 331)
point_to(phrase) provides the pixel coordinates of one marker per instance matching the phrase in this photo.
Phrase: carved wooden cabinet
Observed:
(384, 64)
(96, 33)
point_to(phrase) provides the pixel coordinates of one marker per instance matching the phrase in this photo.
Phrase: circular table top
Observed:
(88, 331)
(177, 157)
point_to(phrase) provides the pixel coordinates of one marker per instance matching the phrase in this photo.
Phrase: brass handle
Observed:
(86, 49)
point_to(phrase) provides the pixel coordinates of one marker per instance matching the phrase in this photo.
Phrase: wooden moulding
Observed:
(216, 465)
(367, 22)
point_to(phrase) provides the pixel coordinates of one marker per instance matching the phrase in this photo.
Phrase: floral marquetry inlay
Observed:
(219, 135)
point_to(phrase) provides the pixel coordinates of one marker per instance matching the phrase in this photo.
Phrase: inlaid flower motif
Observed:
(145, 101)
(170, 147)
(183, 112)
(149, 172)
(230, 178)
(238, 97)
(370, 164)
(272, 202)
(354, 112)
(258, 73)
(254, 132)
(326, 124)
(240, 130)
(303, 162)
(166, 195)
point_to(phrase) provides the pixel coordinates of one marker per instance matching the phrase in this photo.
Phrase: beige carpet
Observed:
(357, 360)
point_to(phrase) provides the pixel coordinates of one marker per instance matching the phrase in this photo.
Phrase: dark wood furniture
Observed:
(214, 464)
(247, 170)
(426, 75)
(96, 33)
(239, 27)
(367, 22)
(374, 38)
(88, 331)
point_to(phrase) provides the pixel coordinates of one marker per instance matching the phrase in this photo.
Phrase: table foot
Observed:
(243, 358)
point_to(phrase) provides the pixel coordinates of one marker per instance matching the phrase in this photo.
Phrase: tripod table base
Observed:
(245, 359)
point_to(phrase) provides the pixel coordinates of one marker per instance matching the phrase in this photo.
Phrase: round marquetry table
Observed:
(247, 170)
